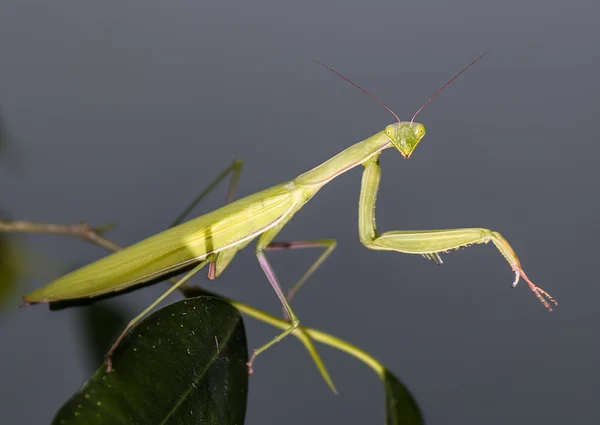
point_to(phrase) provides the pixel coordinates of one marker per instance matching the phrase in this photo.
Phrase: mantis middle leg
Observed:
(430, 243)
(328, 244)
(265, 241)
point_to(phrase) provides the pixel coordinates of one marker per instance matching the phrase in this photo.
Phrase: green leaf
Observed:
(400, 406)
(185, 364)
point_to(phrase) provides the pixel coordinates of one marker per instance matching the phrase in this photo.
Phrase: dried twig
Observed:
(81, 230)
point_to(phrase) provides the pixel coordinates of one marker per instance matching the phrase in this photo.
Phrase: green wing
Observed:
(174, 248)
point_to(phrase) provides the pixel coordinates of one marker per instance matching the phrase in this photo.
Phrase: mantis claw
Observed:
(250, 362)
(108, 362)
(542, 295)
(517, 277)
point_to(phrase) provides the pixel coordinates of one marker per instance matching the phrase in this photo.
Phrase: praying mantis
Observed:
(214, 239)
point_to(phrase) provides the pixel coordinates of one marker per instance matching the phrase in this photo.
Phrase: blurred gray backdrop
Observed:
(123, 110)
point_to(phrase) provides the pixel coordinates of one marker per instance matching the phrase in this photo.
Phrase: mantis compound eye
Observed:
(419, 130)
(389, 131)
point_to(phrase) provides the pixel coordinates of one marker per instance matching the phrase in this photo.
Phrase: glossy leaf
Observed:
(185, 364)
(400, 406)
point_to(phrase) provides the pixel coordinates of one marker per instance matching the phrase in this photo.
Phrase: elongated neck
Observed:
(344, 161)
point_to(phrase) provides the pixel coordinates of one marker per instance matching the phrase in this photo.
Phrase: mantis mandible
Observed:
(213, 239)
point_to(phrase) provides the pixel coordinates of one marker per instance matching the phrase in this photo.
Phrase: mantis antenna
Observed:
(438, 91)
(358, 87)
(447, 83)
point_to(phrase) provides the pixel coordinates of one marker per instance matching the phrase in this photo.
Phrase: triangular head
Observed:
(405, 136)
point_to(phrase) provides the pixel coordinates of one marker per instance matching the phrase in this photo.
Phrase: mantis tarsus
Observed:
(213, 239)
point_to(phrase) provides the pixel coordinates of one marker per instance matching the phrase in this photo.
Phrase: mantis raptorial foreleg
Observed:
(429, 243)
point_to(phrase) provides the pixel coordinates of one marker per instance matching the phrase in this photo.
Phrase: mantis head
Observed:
(405, 136)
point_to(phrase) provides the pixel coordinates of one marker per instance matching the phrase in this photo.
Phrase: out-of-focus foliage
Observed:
(12, 267)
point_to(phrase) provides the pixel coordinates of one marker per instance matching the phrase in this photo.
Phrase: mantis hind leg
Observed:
(235, 168)
(430, 243)
(132, 323)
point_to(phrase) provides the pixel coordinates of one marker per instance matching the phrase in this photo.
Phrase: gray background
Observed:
(124, 110)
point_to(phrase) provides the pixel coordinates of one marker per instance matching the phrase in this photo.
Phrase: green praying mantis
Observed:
(214, 239)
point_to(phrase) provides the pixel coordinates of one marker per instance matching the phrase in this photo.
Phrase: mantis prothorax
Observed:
(214, 238)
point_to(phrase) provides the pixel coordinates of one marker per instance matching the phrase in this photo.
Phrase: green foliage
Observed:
(400, 406)
(185, 364)
(12, 264)
(102, 323)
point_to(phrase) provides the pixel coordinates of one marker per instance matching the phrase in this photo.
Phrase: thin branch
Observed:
(80, 230)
